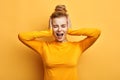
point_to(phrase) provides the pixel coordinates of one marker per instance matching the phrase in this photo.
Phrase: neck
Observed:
(62, 41)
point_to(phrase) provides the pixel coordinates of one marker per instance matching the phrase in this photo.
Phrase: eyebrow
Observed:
(56, 24)
(63, 24)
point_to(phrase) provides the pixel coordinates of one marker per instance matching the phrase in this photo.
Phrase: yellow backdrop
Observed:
(99, 62)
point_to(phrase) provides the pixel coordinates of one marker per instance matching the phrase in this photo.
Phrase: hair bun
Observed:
(61, 8)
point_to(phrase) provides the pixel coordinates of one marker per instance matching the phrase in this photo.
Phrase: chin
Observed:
(59, 40)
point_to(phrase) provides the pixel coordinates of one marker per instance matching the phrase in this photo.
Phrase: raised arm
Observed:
(91, 34)
(29, 38)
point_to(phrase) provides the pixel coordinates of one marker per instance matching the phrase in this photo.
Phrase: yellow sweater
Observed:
(60, 59)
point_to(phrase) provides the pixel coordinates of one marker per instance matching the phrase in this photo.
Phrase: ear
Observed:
(69, 22)
(50, 24)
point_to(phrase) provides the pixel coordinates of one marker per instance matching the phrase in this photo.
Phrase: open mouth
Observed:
(59, 35)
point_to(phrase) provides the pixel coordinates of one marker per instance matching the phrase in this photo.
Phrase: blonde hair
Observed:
(60, 11)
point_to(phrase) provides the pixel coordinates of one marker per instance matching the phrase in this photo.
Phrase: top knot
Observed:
(61, 8)
(60, 11)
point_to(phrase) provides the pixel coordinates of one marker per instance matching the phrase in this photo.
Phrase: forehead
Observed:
(59, 20)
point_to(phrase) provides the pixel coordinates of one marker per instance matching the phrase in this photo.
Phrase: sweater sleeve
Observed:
(29, 39)
(91, 34)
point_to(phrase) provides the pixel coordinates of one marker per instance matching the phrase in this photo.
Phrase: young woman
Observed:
(60, 57)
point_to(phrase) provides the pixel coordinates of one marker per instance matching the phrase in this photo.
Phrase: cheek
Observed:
(65, 29)
(54, 29)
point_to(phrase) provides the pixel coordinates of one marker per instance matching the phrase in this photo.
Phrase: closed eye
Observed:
(55, 26)
(63, 26)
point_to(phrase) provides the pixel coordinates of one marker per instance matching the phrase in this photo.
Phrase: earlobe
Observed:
(69, 22)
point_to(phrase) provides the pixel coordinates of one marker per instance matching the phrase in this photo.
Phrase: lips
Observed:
(59, 35)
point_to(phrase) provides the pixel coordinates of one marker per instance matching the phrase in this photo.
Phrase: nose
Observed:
(59, 28)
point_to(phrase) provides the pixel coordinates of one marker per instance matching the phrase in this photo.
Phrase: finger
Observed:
(50, 24)
(69, 22)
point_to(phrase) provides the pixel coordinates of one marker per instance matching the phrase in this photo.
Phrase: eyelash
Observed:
(55, 26)
(63, 26)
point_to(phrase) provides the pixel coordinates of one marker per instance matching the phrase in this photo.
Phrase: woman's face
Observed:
(60, 28)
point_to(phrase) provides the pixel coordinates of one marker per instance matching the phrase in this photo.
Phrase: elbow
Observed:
(97, 33)
(19, 37)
